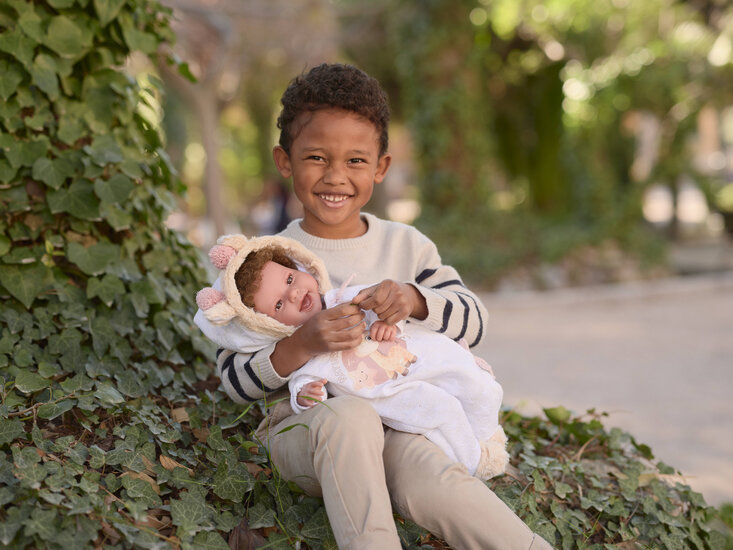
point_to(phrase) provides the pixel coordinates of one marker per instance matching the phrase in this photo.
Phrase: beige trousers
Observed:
(361, 469)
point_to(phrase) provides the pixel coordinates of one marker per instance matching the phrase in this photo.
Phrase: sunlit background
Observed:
(585, 141)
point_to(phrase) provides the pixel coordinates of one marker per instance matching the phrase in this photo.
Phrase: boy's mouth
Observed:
(333, 198)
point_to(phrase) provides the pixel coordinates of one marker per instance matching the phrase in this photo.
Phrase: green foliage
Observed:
(533, 108)
(582, 486)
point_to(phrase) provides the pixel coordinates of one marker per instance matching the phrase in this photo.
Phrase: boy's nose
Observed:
(335, 174)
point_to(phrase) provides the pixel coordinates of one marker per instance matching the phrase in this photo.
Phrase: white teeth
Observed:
(333, 198)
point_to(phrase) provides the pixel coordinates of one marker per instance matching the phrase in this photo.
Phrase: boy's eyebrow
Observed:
(350, 152)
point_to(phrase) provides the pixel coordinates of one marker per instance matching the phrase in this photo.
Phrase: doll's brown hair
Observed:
(249, 274)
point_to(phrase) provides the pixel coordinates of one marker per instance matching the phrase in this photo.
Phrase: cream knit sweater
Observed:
(388, 250)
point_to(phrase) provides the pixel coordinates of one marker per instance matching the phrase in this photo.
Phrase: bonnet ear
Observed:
(220, 254)
(214, 305)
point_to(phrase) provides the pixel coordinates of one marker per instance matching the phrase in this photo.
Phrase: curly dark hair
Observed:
(249, 274)
(338, 86)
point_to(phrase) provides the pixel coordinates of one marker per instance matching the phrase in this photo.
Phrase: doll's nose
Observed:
(296, 294)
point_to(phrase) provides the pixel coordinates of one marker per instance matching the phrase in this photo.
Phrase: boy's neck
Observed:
(351, 231)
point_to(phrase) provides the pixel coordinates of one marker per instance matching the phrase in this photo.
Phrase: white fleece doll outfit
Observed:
(423, 382)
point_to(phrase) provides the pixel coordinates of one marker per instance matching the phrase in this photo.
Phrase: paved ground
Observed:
(657, 356)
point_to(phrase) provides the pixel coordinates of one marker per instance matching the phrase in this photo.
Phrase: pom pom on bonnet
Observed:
(230, 252)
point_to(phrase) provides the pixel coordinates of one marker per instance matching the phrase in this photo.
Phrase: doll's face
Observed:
(287, 295)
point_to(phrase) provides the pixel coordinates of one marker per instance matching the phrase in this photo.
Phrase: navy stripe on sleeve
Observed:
(219, 352)
(233, 380)
(248, 369)
(464, 328)
(448, 283)
(424, 275)
(446, 316)
(480, 320)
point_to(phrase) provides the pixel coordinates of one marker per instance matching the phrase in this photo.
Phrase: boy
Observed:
(333, 145)
(422, 382)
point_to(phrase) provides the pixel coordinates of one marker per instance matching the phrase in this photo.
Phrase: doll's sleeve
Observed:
(297, 382)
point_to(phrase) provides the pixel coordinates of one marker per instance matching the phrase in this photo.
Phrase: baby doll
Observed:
(417, 380)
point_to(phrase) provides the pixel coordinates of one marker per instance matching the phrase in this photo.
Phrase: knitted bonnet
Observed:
(230, 252)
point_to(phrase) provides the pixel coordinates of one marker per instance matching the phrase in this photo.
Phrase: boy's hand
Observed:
(311, 392)
(382, 332)
(336, 329)
(392, 301)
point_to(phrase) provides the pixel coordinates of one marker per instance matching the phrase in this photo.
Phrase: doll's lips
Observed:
(307, 302)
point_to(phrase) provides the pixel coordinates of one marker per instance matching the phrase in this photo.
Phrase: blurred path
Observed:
(657, 356)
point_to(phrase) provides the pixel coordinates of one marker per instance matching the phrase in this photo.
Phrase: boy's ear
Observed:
(382, 166)
(282, 161)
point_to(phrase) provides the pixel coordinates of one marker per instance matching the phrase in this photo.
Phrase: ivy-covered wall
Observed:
(107, 389)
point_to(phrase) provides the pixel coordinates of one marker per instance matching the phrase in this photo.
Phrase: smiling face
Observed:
(287, 295)
(334, 162)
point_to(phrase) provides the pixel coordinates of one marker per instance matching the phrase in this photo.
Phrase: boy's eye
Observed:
(290, 279)
(315, 157)
(279, 305)
(357, 161)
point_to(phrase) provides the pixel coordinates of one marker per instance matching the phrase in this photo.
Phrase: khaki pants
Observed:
(362, 469)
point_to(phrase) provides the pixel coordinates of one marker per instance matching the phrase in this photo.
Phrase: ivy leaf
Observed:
(78, 200)
(43, 75)
(317, 527)
(30, 22)
(557, 415)
(115, 190)
(118, 218)
(138, 40)
(12, 76)
(108, 394)
(209, 541)
(25, 282)
(67, 37)
(42, 523)
(107, 10)
(107, 288)
(25, 153)
(141, 490)
(29, 382)
(18, 45)
(260, 515)
(52, 172)
(189, 513)
(232, 483)
(49, 411)
(65, 342)
(10, 430)
(93, 260)
(103, 335)
(11, 524)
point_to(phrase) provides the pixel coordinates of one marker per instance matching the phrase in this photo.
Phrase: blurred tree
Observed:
(244, 52)
(532, 107)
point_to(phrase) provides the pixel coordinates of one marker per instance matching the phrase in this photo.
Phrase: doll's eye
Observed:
(279, 305)
(290, 279)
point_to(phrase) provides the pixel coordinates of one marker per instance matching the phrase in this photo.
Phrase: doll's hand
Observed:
(311, 393)
(382, 332)
(392, 301)
(478, 360)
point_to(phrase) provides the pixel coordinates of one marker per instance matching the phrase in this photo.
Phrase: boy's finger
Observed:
(343, 310)
(363, 295)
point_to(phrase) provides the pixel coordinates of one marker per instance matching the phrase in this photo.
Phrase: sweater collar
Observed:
(295, 231)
